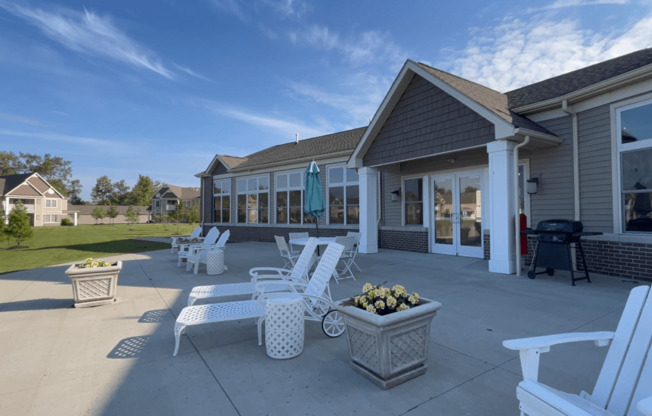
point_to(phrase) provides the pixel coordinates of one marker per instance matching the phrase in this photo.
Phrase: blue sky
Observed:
(157, 88)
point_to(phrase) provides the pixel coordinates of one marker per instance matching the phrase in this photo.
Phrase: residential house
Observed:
(44, 204)
(444, 165)
(167, 199)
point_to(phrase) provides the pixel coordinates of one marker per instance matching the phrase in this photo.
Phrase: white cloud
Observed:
(90, 34)
(560, 4)
(20, 119)
(63, 138)
(517, 52)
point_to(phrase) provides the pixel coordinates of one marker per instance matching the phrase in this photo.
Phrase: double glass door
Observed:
(458, 214)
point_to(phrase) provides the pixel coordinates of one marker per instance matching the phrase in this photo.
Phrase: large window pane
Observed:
(336, 203)
(636, 124)
(413, 195)
(263, 208)
(242, 208)
(637, 190)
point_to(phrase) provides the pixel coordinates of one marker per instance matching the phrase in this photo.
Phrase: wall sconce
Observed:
(396, 194)
(531, 185)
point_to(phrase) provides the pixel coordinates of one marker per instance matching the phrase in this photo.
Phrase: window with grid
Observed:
(289, 198)
(222, 200)
(50, 203)
(253, 200)
(413, 201)
(635, 154)
(343, 196)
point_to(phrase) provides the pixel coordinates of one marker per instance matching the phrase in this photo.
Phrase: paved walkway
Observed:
(117, 359)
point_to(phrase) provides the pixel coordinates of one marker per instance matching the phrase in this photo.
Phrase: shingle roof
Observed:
(344, 141)
(576, 80)
(9, 182)
(232, 161)
(184, 193)
(492, 100)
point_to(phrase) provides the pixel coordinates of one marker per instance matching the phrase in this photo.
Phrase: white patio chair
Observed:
(282, 278)
(186, 249)
(355, 248)
(625, 378)
(294, 248)
(286, 254)
(199, 254)
(316, 301)
(346, 259)
(176, 241)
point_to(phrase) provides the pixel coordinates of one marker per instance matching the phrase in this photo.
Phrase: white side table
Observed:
(284, 325)
(215, 261)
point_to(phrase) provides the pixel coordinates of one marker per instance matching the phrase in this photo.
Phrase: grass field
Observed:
(56, 245)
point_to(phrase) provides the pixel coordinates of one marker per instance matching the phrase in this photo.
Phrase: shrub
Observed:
(66, 221)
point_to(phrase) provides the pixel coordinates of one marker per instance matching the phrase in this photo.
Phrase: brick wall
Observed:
(403, 240)
(611, 258)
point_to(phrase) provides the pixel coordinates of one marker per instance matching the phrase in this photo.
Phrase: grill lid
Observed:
(560, 226)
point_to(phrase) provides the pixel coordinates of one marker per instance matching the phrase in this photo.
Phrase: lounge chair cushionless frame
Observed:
(625, 378)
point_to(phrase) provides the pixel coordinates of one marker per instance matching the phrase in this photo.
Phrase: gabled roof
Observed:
(182, 193)
(9, 183)
(575, 81)
(335, 144)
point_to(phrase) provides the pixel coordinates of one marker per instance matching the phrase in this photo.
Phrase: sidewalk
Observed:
(117, 359)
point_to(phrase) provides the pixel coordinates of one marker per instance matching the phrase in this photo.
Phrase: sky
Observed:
(158, 88)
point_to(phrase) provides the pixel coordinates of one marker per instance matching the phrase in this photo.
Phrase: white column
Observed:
(369, 197)
(502, 188)
(75, 219)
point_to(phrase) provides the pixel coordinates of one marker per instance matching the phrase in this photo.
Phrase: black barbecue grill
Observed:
(554, 239)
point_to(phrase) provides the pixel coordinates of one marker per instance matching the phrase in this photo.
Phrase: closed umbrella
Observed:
(314, 204)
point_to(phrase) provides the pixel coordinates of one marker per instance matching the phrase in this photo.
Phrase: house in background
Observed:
(44, 204)
(444, 165)
(167, 199)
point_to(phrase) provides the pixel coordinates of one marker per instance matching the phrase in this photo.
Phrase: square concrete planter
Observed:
(94, 285)
(389, 349)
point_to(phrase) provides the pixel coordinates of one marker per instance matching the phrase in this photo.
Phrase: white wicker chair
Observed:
(186, 249)
(282, 277)
(317, 303)
(199, 254)
(286, 254)
(354, 252)
(176, 241)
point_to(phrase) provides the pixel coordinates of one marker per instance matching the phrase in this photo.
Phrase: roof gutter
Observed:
(605, 86)
(576, 158)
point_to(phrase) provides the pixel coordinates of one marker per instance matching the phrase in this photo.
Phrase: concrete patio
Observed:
(117, 359)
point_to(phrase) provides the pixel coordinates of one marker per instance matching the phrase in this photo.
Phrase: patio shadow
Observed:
(131, 347)
(36, 305)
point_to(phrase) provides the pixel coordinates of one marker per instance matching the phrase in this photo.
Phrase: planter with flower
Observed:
(388, 332)
(94, 282)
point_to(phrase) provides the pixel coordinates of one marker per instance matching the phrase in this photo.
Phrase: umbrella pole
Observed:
(317, 228)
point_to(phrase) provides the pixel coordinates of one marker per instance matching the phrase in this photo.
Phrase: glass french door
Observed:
(458, 214)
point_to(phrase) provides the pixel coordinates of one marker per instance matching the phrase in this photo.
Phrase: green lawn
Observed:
(57, 245)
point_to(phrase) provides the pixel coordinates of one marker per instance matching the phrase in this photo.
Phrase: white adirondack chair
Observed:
(317, 304)
(625, 378)
(186, 249)
(176, 241)
(199, 255)
(281, 277)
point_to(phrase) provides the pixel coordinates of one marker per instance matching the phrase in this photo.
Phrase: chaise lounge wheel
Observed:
(333, 324)
(532, 274)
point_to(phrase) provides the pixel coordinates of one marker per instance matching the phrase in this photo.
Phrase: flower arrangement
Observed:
(383, 301)
(90, 263)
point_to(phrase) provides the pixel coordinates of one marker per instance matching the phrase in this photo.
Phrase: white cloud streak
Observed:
(561, 4)
(100, 144)
(517, 52)
(90, 34)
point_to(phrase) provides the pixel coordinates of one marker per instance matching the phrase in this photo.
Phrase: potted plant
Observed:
(94, 282)
(388, 332)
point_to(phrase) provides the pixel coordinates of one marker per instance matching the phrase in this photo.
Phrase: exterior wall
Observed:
(554, 168)
(427, 121)
(86, 219)
(242, 232)
(400, 239)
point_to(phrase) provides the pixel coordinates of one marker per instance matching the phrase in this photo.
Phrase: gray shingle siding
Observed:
(427, 121)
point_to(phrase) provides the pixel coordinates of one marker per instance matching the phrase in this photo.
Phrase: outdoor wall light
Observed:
(531, 185)
(396, 194)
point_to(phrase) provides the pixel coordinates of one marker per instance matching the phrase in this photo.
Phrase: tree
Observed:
(98, 213)
(3, 226)
(102, 191)
(131, 215)
(74, 189)
(193, 214)
(143, 191)
(112, 212)
(121, 194)
(18, 227)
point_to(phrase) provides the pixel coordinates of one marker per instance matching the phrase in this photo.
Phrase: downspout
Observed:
(576, 159)
(517, 222)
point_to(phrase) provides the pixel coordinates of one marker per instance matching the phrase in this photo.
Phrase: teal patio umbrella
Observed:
(314, 204)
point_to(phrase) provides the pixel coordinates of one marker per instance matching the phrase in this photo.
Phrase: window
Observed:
(289, 199)
(50, 203)
(222, 200)
(253, 200)
(635, 152)
(50, 218)
(413, 200)
(343, 196)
